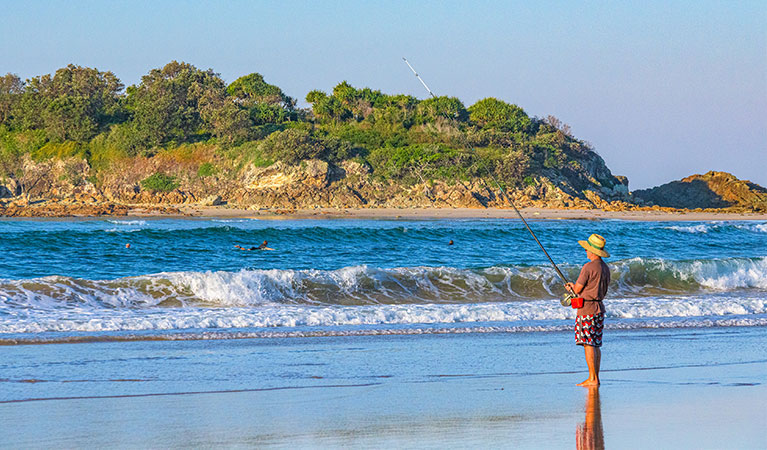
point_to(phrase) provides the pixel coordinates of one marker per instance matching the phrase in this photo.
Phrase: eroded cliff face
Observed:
(713, 190)
(68, 187)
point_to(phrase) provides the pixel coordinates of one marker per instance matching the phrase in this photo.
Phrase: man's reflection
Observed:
(589, 434)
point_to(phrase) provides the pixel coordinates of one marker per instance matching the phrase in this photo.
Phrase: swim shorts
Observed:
(588, 329)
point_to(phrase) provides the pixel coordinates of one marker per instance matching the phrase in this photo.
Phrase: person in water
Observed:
(260, 247)
(592, 286)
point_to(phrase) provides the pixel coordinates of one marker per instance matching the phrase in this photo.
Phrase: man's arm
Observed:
(577, 288)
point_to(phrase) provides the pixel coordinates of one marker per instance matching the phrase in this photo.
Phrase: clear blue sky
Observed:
(661, 89)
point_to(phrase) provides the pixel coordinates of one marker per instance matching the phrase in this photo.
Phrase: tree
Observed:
(74, 104)
(496, 114)
(11, 88)
(252, 89)
(327, 107)
(178, 102)
(444, 107)
(264, 103)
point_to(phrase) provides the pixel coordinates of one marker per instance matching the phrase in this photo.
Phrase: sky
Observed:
(661, 90)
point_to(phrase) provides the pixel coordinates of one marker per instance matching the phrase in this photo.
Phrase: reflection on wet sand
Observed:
(589, 434)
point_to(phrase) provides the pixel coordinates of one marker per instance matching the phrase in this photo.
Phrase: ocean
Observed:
(376, 334)
(183, 279)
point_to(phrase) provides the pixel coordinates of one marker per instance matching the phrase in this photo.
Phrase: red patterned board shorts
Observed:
(588, 329)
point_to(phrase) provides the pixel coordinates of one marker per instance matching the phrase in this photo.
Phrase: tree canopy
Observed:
(395, 134)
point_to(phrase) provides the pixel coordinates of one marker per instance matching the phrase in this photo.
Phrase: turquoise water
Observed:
(183, 279)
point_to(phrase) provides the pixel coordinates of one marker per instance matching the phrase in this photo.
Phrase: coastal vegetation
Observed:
(185, 127)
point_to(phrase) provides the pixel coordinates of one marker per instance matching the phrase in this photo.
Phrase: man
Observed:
(260, 247)
(592, 286)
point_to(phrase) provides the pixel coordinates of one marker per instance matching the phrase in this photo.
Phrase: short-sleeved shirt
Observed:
(595, 278)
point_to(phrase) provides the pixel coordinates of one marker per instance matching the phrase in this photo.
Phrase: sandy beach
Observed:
(462, 213)
(705, 389)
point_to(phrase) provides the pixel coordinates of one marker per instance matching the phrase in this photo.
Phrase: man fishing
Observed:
(592, 286)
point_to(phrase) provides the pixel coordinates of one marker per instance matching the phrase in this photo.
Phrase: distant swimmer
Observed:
(450, 243)
(260, 247)
(127, 245)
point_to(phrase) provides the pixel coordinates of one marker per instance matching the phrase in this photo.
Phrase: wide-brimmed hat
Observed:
(596, 245)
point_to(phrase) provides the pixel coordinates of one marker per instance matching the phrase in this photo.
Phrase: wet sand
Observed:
(466, 213)
(673, 388)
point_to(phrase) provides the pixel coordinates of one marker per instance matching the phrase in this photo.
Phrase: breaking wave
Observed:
(534, 315)
(364, 285)
(719, 226)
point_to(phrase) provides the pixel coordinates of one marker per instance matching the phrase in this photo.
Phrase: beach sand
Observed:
(465, 213)
(662, 388)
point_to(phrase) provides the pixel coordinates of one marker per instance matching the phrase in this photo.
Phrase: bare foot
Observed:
(589, 383)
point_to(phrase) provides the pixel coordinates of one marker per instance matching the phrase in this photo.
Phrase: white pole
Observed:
(419, 78)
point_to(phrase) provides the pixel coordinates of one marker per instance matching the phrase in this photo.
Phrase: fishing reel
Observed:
(567, 300)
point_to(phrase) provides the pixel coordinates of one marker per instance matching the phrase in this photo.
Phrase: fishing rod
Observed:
(419, 78)
(511, 202)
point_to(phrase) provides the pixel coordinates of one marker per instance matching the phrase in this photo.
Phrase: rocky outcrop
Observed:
(713, 190)
(67, 187)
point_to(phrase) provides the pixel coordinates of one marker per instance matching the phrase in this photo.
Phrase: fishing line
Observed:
(556, 268)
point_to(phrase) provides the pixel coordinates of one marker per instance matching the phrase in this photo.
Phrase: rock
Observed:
(712, 190)
(11, 188)
(315, 172)
(624, 181)
(355, 168)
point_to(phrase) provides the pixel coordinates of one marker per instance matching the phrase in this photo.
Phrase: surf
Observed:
(367, 285)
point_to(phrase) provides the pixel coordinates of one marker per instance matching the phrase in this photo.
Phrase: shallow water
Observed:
(63, 281)
(699, 388)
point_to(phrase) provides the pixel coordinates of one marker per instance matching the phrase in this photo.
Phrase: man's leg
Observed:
(598, 360)
(593, 358)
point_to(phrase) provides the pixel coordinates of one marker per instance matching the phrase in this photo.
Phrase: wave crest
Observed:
(364, 285)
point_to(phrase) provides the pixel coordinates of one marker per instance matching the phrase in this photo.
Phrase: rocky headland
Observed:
(67, 188)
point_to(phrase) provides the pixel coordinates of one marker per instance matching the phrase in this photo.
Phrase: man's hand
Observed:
(574, 288)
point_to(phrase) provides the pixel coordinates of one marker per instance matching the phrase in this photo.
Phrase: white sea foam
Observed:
(541, 314)
(128, 222)
(172, 335)
(364, 285)
(700, 228)
(724, 275)
(719, 226)
(755, 227)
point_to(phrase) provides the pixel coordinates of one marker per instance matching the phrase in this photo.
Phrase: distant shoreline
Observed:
(530, 213)
(463, 213)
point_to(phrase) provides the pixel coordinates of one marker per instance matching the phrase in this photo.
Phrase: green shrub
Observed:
(206, 169)
(291, 146)
(159, 182)
(422, 162)
(491, 113)
(529, 181)
(54, 150)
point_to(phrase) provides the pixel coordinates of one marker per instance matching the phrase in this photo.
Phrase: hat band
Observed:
(594, 246)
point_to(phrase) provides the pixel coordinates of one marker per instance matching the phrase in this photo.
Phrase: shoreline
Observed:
(529, 213)
(456, 213)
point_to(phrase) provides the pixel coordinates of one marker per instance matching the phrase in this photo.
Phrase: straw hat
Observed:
(596, 245)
